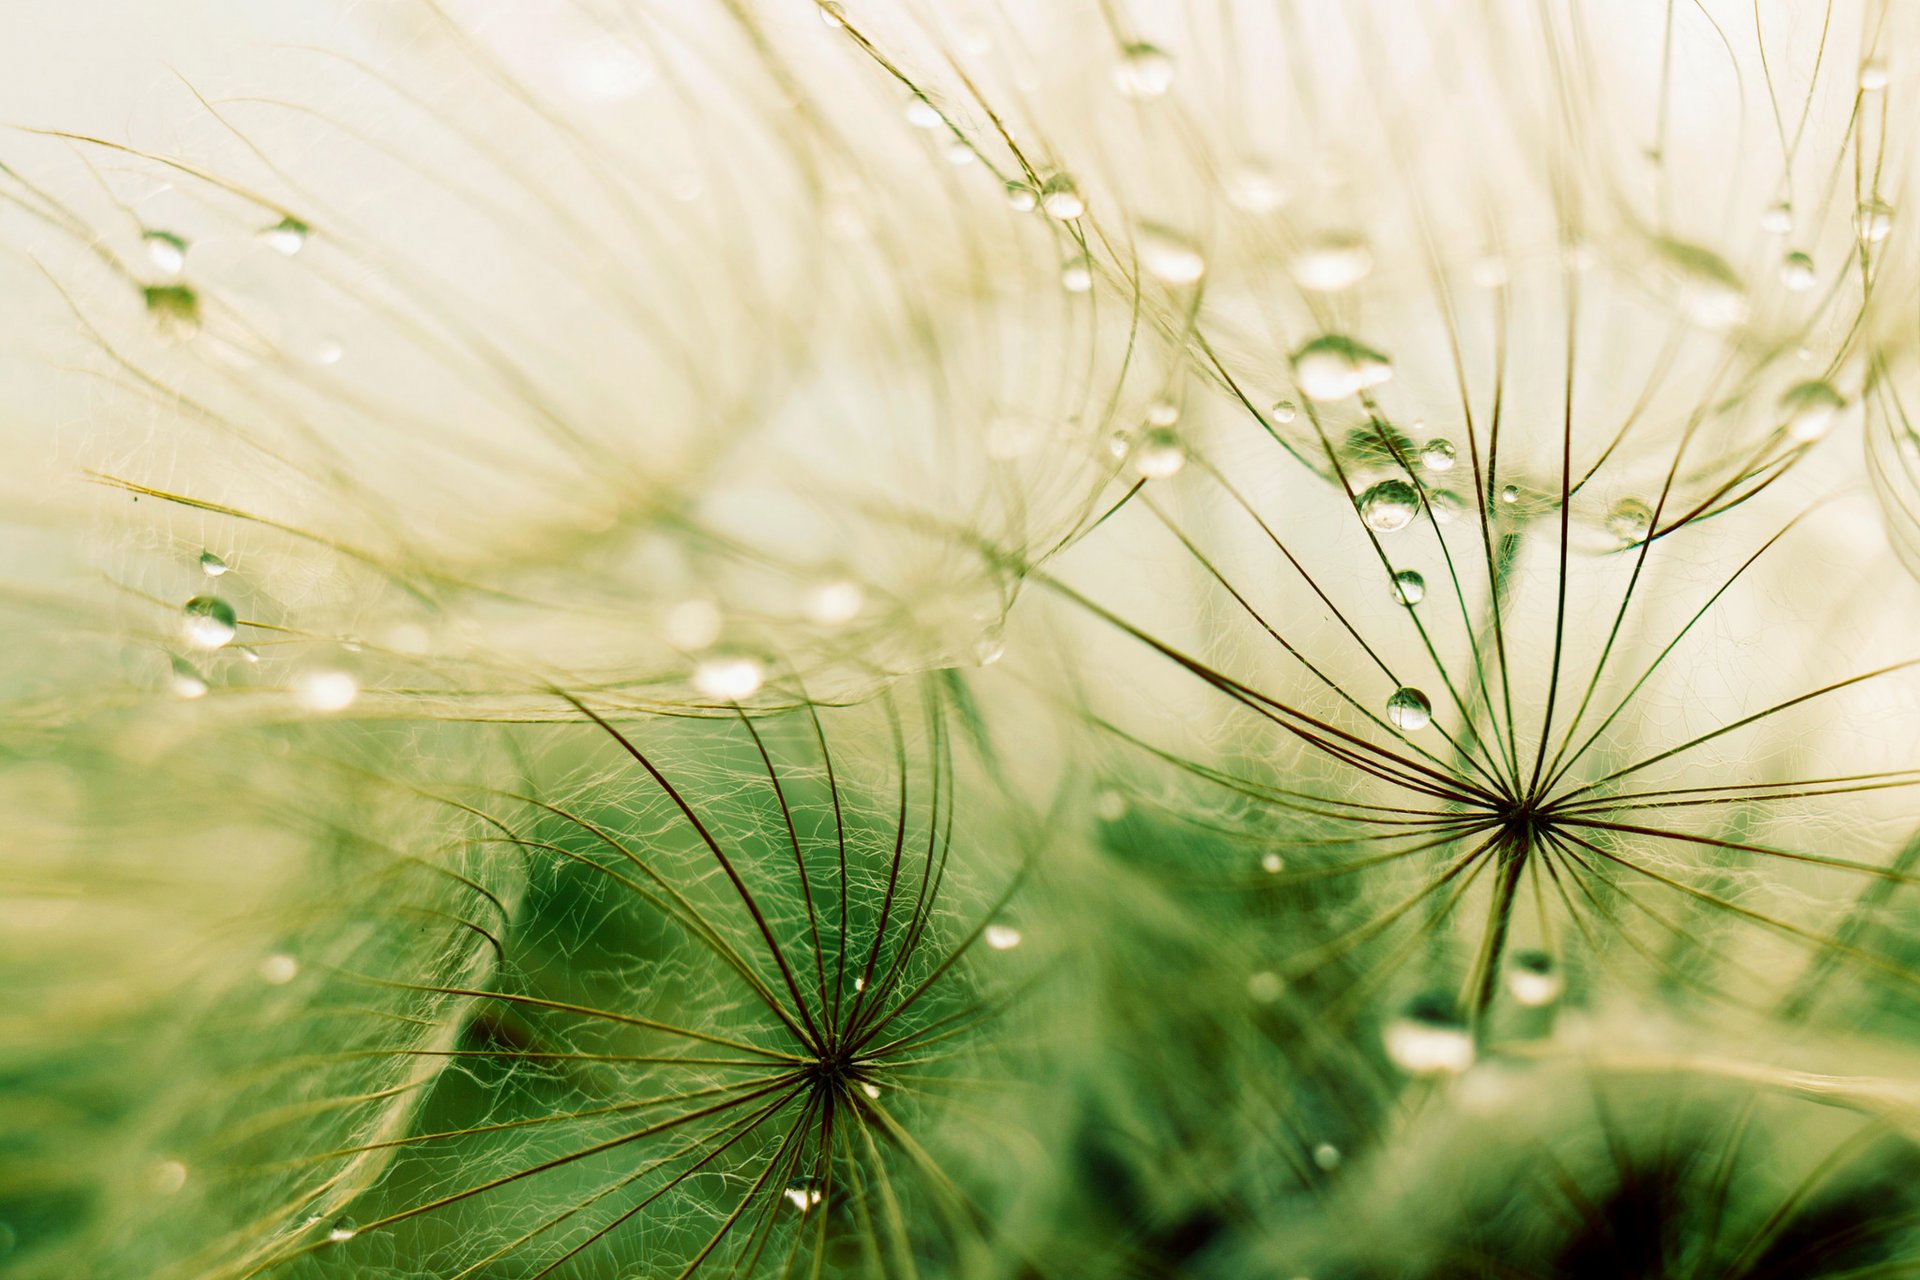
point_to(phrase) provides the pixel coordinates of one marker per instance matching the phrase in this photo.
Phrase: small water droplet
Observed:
(288, 236)
(989, 648)
(326, 690)
(835, 603)
(1810, 408)
(960, 154)
(278, 970)
(185, 681)
(1408, 709)
(1163, 413)
(1708, 290)
(1002, 937)
(1144, 71)
(1488, 273)
(248, 652)
(859, 984)
(1022, 197)
(1109, 805)
(1533, 979)
(1327, 1156)
(1630, 520)
(1439, 455)
(1332, 262)
(1873, 220)
(1873, 75)
(729, 677)
(1264, 987)
(1389, 506)
(1272, 863)
(1159, 453)
(166, 251)
(207, 622)
(1778, 218)
(1076, 275)
(1253, 187)
(342, 1230)
(692, 625)
(167, 1177)
(1283, 411)
(174, 307)
(1446, 505)
(1169, 255)
(1333, 367)
(871, 1089)
(1429, 1038)
(1796, 272)
(1060, 199)
(212, 565)
(1510, 493)
(803, 1196)
(922, 114)
(1409, 587)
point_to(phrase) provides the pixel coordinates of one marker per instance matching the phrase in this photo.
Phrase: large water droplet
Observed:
(1333, 367)
(1810, 408)
(1283, 411)
(1429, 1038)
(1144, 71)
(1873, 220)
(1873, 75)
(325, 691)
(166, 251)
(1533, 979)
(1061, 199)
(1169, 255)
(185, 681)
(1002, 937)
(1797, 272)
(1330, 263)
(1389, 506)
(288, 236)
(1159, 453)
(1630, 520)
(1076, 275)
(1408, 709)
(1439, 455)
(207, 622)
(342, 1230)
(1409, 587)
(729, 677)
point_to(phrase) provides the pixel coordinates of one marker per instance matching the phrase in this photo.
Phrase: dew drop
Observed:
(1796, 272)
(1533, 979)
(1159, 453)
(1389, 506)
(1439, 455)
(833, 15)
(1408, 709)
(1630, 520)
(802, 1197)
(1510, 494)
(1169, 255)
(729, 677)
(1253, 187)
(174, 307)
(1873, 220)
(1002, 937)
(166, 251)
(167, 1177)
(1778, 219)
(1264, 987)
(1333, 367)
(342, 1230)
(1022, 197)
(278, 970)
(1076, 275)
(1446, 505)
(1873, 76)
(248, 652)
(871, 1089)
(1327, 1157)
(959, 154)
(1109, 805)
(288, 236)
(1060, 199)
(989, 649)
(1283, 411)
(833, 604)
(1409, 587)
(1162, 413)
(1330, 263)
(1144, 71)
(1429, 1038)
(693, 624)
(212, 565)
(1810, 408)
(922, 114)
(207, 622)
(326, 691)
(185, 681)
(1708, 290)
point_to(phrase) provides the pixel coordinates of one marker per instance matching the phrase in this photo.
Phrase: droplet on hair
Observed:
(1778, 218)
(212, 565)
(185, 681)
(1002, 937)
(1327, 1157)
(1333, 367)
(835, 603)
(288, 236)
(1159, 453)
(1332, 262)
(1810, 408)
(207, 622)
(1797, 272)
(1439, 455)
(1630, 520)
(1264, 987)
(1408, 709)
(1389, 506)
(729, 677)
(1429, 1038)
(1873, 220)
(325, 690)
(1169, 255)
(1144, 71)
(278, 970)
(166, 251)
(1283, 411)
(1060, 199)
(1533, 979)
(1409, 587)
(342, 1230)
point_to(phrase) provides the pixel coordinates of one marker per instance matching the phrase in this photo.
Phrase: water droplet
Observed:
(1533, 979)
(960, 154)
(729, 677)
(1389, 506)
(342, 1230)
(803, 1196)
(1061, 199)
(1510, 494)
(1708, 290)
(1488, 273)
(833, 15)
(692, 625)
(1002, 937)
(1272, 863)
(1873, 220)
(1796, 272)
(185, 681)
(1409, 587)
(288, 236)
(1162, 413)
(922, 114)
(1159, 453)
(166, 251)
(1439, 455)
(1778, 219)
(1109, 805)
(1429, 1038)
(1264, 987)
(1332, 262)
(1144, 71)
(989, 648)
(167, 1177)
(174, 307)
(1076, 275)
(871, 1089)
(1810, 408)
(1408, 709)
(1630, 520)
(279, 970)
(207, 622)
(1253, 187)
(1169, 255)
(1446, 505)
(1873, 75)
(212, 565)
(1333, 367)
(1283, 411)
(326, 691)
(1327, 1156)
(833, 604)
(1022, 197)
(248, 652)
